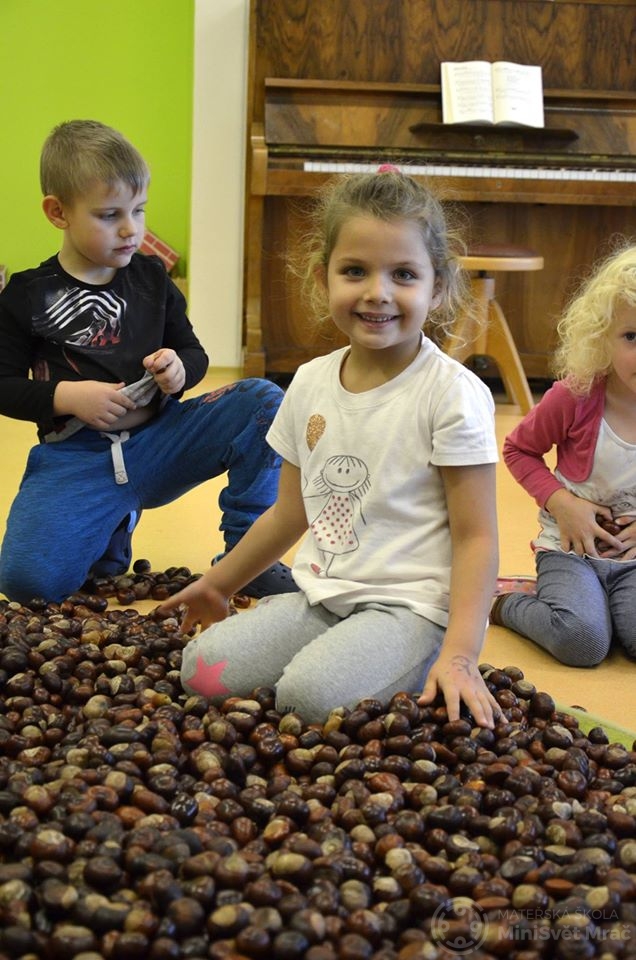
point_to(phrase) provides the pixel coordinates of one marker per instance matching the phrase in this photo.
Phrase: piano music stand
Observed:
(491, 337)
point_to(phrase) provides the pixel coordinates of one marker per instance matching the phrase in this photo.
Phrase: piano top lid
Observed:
(328, 117)
(346, 87)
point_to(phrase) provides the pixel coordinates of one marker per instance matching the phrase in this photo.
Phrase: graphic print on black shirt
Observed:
(82, 319)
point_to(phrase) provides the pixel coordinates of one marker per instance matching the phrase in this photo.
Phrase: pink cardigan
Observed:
(560, 418)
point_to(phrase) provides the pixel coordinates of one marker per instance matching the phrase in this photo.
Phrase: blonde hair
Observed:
(78, 153)
(389, 195)
(584, 351)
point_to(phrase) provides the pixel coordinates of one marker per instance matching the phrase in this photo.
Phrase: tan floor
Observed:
(186, 533)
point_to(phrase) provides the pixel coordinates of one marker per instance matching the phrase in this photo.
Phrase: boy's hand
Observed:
(167, 369)
(100, 405)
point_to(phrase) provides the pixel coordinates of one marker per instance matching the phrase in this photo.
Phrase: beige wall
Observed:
(216, 235)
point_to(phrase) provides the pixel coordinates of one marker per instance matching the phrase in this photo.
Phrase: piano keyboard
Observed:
(455, 170)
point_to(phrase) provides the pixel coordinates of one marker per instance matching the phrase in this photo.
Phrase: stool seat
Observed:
(491, 336)
(494, 258)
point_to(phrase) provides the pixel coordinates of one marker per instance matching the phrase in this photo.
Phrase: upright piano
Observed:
(342, 85)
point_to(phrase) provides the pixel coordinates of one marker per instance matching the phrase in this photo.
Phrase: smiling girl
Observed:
(389, 455)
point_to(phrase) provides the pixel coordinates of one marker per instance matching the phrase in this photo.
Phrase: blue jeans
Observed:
(69, 504)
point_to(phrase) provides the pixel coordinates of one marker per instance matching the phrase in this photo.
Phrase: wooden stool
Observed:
(492, 337)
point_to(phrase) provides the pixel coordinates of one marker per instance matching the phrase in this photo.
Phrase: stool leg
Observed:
(490, 337)
(470, 331)
(501, 347)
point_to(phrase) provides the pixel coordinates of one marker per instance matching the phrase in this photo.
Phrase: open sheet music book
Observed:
(475, 91)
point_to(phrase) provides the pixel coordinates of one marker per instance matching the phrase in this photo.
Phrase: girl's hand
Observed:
(579, 526)
(458, 678)
(204, 603)
(167, 369)
(626, 536)
(100, 405)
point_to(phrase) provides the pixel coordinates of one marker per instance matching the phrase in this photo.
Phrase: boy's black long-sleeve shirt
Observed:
(54, 327)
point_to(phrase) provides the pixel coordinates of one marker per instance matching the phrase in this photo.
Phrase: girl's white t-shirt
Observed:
(373, 492)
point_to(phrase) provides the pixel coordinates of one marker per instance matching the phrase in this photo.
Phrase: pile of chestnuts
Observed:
(141, 583)
(140, 823)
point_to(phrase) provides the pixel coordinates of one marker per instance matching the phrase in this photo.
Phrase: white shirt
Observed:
(370, 477)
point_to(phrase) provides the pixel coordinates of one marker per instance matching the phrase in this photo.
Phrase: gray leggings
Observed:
(314, 659)
(580, 606)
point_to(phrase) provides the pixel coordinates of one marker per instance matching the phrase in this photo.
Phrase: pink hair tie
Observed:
(388, 168)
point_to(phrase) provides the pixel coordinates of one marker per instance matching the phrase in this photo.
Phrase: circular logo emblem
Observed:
(459, 924)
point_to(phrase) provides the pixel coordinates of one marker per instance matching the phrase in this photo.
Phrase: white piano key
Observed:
(478, 171)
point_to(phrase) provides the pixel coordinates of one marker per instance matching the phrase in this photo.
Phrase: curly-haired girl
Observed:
(585, 552)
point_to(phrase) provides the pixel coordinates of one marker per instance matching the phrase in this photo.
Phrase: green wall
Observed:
(128, 63)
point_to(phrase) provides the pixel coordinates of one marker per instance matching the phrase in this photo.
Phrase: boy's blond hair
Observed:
(584, 351)
(79, 153)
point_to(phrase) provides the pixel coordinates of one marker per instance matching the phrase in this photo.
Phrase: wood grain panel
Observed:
(579, 45)
(587, 50)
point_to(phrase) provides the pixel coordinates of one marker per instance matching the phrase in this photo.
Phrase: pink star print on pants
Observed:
(206, 678)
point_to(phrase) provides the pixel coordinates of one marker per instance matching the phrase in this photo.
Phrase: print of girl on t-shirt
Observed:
(343, 480)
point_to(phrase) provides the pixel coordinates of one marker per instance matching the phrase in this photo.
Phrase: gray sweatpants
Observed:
(581, 605)
(314, 659)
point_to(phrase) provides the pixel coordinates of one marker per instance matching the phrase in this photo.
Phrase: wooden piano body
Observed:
(352, 82)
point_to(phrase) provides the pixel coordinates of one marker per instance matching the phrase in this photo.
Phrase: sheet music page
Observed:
(467, 92)
(517, 92)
